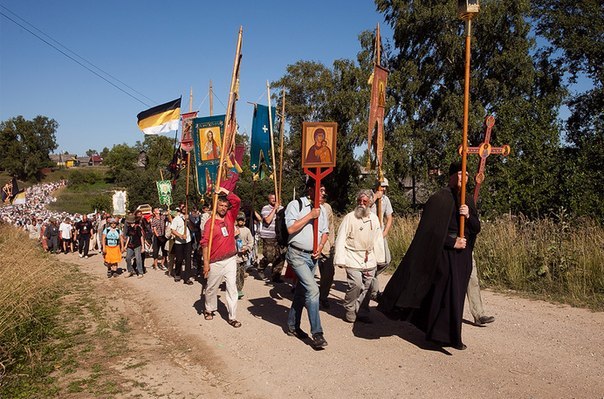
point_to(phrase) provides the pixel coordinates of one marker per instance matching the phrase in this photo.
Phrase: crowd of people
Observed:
(428, 288)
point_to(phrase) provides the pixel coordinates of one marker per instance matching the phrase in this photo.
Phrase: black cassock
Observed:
(429, 286)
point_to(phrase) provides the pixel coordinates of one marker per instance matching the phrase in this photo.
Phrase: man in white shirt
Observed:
(359, 249)
(272, 253)
(182, 247)
(65, 229)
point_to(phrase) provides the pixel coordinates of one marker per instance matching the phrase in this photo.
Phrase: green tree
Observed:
(575, 30)
(509, 79)
(120, 159)
(90, 152)
(315, 93)
(25, 145)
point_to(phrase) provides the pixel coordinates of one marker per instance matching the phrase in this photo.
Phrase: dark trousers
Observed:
(182, 252)
(83, 244)
(327, 271)
(158, 245)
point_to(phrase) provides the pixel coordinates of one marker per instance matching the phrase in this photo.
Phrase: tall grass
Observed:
(554, 258)
(30, 282)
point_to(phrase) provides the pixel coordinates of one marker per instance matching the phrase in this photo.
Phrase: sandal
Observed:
(208, 315)
(235, 323)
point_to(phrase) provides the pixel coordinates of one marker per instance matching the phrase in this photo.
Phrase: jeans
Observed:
(306, 292)
(83, 244)
(136, 253)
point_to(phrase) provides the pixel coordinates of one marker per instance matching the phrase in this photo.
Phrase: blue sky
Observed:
(160, 49)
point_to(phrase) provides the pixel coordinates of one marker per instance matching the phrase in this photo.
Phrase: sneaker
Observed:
(239, 294)
(188, 281)
(109, 274)
(130, 274)
(318, 342)
(81, 255)
(297, 332)
(482, 320)
(86, 257)
(140, 276)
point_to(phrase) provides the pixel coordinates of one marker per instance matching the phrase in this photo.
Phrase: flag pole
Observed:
(379, 175)
(281, 130)
(466, 111)
(188, 158)
(211, 90)
(229, 134)
(270, 130)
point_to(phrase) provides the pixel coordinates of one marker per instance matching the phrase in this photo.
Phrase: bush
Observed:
(101, 203)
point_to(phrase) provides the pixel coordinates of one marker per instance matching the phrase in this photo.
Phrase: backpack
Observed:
(281, 228)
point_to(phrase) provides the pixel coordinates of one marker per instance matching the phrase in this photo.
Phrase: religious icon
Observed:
(381, 93)
(209, 139)
(186, 141)
(119, 202)
(319, 144)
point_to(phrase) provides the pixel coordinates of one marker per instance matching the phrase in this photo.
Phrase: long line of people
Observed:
(178, 243)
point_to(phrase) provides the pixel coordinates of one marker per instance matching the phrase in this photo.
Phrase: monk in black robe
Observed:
(429, 286)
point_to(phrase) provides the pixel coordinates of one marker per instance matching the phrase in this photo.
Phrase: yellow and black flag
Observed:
(160, 119)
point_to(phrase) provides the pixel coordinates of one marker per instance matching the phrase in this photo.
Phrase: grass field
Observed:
(556, 259)
(58, 336)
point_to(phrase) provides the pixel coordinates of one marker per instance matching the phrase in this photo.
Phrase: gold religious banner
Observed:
(319, 144)
(377, 111)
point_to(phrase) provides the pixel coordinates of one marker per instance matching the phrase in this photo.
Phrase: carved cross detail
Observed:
(484, 150)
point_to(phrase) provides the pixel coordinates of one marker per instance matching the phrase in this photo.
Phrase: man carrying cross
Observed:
(428, 288)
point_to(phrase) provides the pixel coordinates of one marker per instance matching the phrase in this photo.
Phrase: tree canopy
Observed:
(25, 145)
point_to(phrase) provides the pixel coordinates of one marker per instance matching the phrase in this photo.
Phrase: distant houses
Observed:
(72, 160)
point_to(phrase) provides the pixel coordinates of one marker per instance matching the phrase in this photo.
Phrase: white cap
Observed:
(384, 183)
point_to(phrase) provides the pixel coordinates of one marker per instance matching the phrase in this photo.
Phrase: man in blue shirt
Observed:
(302, 257)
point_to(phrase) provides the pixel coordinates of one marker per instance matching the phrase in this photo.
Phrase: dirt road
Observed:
(534, 349)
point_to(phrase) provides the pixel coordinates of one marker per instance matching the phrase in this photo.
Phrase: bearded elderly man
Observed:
(359, 249)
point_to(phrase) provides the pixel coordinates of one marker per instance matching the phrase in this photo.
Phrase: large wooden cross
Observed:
(484, 150)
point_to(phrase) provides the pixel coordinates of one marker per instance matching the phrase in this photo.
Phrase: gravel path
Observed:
(534, 349)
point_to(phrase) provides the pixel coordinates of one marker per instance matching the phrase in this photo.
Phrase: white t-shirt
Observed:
(65, 229)
(178, 225)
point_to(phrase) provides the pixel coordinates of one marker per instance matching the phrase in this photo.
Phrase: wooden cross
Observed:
(484, 150)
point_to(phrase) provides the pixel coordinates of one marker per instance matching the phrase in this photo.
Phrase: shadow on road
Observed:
(384, 327)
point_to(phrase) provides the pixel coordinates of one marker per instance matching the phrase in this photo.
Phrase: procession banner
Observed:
(119, 200)
(164, 192)
(260, 146)
(186, 139)
(377, 110)
(207, 136)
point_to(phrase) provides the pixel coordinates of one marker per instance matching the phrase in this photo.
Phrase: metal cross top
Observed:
(484, 150)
